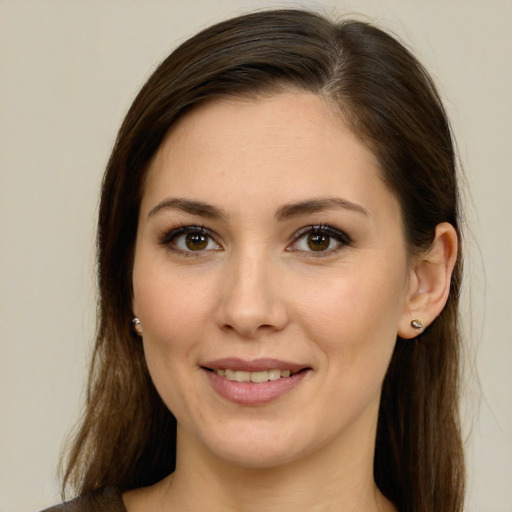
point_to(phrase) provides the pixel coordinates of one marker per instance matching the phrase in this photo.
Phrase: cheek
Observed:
(173, 313)
(354, 316)
(354, 329)
(354, 303)
(173, 319)
(172, 307)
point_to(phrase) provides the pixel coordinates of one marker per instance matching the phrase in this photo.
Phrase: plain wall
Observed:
(68, 72)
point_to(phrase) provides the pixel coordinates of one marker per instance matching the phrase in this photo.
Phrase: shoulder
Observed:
(107, 499)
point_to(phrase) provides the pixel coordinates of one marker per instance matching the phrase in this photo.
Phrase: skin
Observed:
(257, 289)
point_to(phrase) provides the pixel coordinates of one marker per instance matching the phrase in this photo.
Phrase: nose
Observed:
(252, 302)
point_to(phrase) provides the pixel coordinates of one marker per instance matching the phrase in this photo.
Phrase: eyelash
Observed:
(169, 239)
(343, 240)
(322, 229)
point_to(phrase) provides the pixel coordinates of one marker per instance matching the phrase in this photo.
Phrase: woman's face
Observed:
(269, 246)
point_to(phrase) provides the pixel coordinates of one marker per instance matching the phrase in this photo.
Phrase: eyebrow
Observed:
(285, 212)
(189, 206)
(289, 211)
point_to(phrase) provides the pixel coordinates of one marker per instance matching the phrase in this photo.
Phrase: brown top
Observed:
(107, 499)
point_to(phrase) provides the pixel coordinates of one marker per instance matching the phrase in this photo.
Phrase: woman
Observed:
(279, 274)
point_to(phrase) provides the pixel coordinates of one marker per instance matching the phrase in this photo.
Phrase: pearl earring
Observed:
(417, 324)
(137, 326)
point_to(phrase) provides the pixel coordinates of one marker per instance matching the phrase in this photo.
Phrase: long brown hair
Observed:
(127, 435)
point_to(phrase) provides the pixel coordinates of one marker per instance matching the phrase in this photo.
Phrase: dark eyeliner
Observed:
(167, 238)
(327, 230)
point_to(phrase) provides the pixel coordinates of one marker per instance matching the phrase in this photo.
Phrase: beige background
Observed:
(68, 71)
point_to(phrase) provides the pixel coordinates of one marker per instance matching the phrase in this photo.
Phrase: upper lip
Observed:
(254, 365)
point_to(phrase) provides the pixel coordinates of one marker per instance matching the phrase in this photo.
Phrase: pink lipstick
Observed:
(254, 382)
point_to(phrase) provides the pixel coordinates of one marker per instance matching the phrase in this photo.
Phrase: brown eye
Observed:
(318, 241)
(186, 240)
(196, 241)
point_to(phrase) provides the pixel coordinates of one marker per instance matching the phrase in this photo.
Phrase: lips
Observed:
(253, 382)
(254, 365)
(256, 377)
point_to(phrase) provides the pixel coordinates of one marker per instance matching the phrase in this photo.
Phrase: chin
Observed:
(262, 456)
(257, 445)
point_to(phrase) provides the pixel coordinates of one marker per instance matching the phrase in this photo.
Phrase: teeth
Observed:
(258, 377)
(274, 374)
(243, 376)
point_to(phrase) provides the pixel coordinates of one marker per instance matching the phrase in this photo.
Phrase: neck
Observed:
(336, 478)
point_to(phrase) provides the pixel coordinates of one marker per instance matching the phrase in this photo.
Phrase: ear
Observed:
(429, 283)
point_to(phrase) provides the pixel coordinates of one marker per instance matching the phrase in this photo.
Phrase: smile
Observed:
(256, 377)
(256, 382)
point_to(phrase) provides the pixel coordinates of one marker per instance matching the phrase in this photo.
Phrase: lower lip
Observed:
(251, 393)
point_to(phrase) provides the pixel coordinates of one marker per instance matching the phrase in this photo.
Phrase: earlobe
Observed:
(429, 284)
(137, 326)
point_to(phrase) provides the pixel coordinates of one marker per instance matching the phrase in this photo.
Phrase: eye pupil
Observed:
(318, 242)
(196, 241)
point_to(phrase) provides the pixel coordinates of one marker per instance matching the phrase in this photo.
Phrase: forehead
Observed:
(295, 120)
(287, 147)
